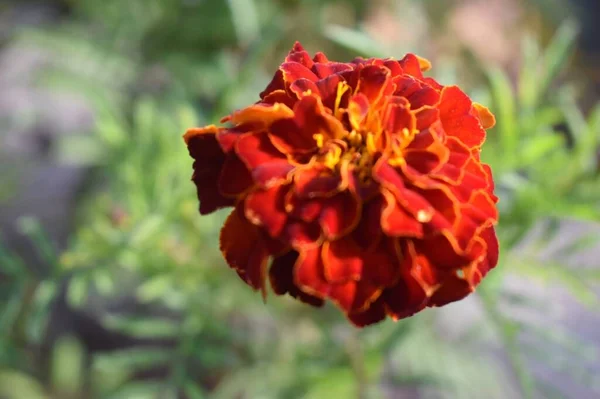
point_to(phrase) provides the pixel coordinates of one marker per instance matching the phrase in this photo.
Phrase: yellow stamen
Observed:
(398, 161)
(319, 139)
(371, 147)
(341, 90)
(332, 158)
(354, 138)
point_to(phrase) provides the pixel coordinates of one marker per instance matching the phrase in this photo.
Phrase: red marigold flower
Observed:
(361, 182)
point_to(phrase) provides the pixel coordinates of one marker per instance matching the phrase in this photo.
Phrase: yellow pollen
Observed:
(398, 161)
(406, 133)
(354, 138)
(341, 89)
(319, 139)
(332, 158)
(371, 143)
(307, 92)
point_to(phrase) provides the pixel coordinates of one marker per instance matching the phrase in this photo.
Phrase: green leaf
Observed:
(67, 366)
(131, 360)
(357, 41)
(529, 88)
(537, 148)
(245, 20)
(556, 273)
(193, 391)
(505, 109)
(77, 291)
(154, 288)
(557, 54)
(140, 390)
(17, 385)
(143, 327)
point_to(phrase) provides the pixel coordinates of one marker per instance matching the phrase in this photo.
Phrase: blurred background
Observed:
(112, 286)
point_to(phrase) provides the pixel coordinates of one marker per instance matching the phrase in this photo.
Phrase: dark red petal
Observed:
(267, 165)
(414, 203)
(410, 64)
(440, 252)
(265, 207)
(396, 222)
(320, 58)
(354, 296)
(339, 215)
(316, 182)
(297, 134)
(302, 235)
(426, 116)
(301, 57)
(425, 96)
(281, 271)
(394, 67)
(310, 115)
(407, 297)
(293, 71)
(308, 273)
(276, 84)
(382, 263)
(326, 69)
(269, 174)
(301, 86)
(373, 314)
(350, 178)
(281, 275)
(244, 250)
(342, 261)
(446, 210)
(489, 235)
(280, 96)
(328, 90)
(208, 162)
(234, 178)
(368, 232)
(406, 86)
(304, 209)
(452, 290)
(374, 82)
(398, 119)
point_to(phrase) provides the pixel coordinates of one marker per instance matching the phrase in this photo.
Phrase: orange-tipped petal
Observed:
(487, 119)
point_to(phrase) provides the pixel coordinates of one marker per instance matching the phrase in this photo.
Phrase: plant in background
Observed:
(362, 180)
(132, 264)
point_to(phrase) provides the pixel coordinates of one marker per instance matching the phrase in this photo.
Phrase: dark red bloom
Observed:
(356, 182)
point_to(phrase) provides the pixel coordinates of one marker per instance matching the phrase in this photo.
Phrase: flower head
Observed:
(359, 183)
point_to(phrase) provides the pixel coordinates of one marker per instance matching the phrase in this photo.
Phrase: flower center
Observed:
(356, 148)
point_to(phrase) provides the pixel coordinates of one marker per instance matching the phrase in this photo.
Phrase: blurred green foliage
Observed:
(151, 69)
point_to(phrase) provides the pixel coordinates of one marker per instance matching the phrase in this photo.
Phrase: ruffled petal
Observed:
(281, 275)
(267, 165)
(265, 208)
(244, 250)
(339, 215)
(208, 162)
(455, 114)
